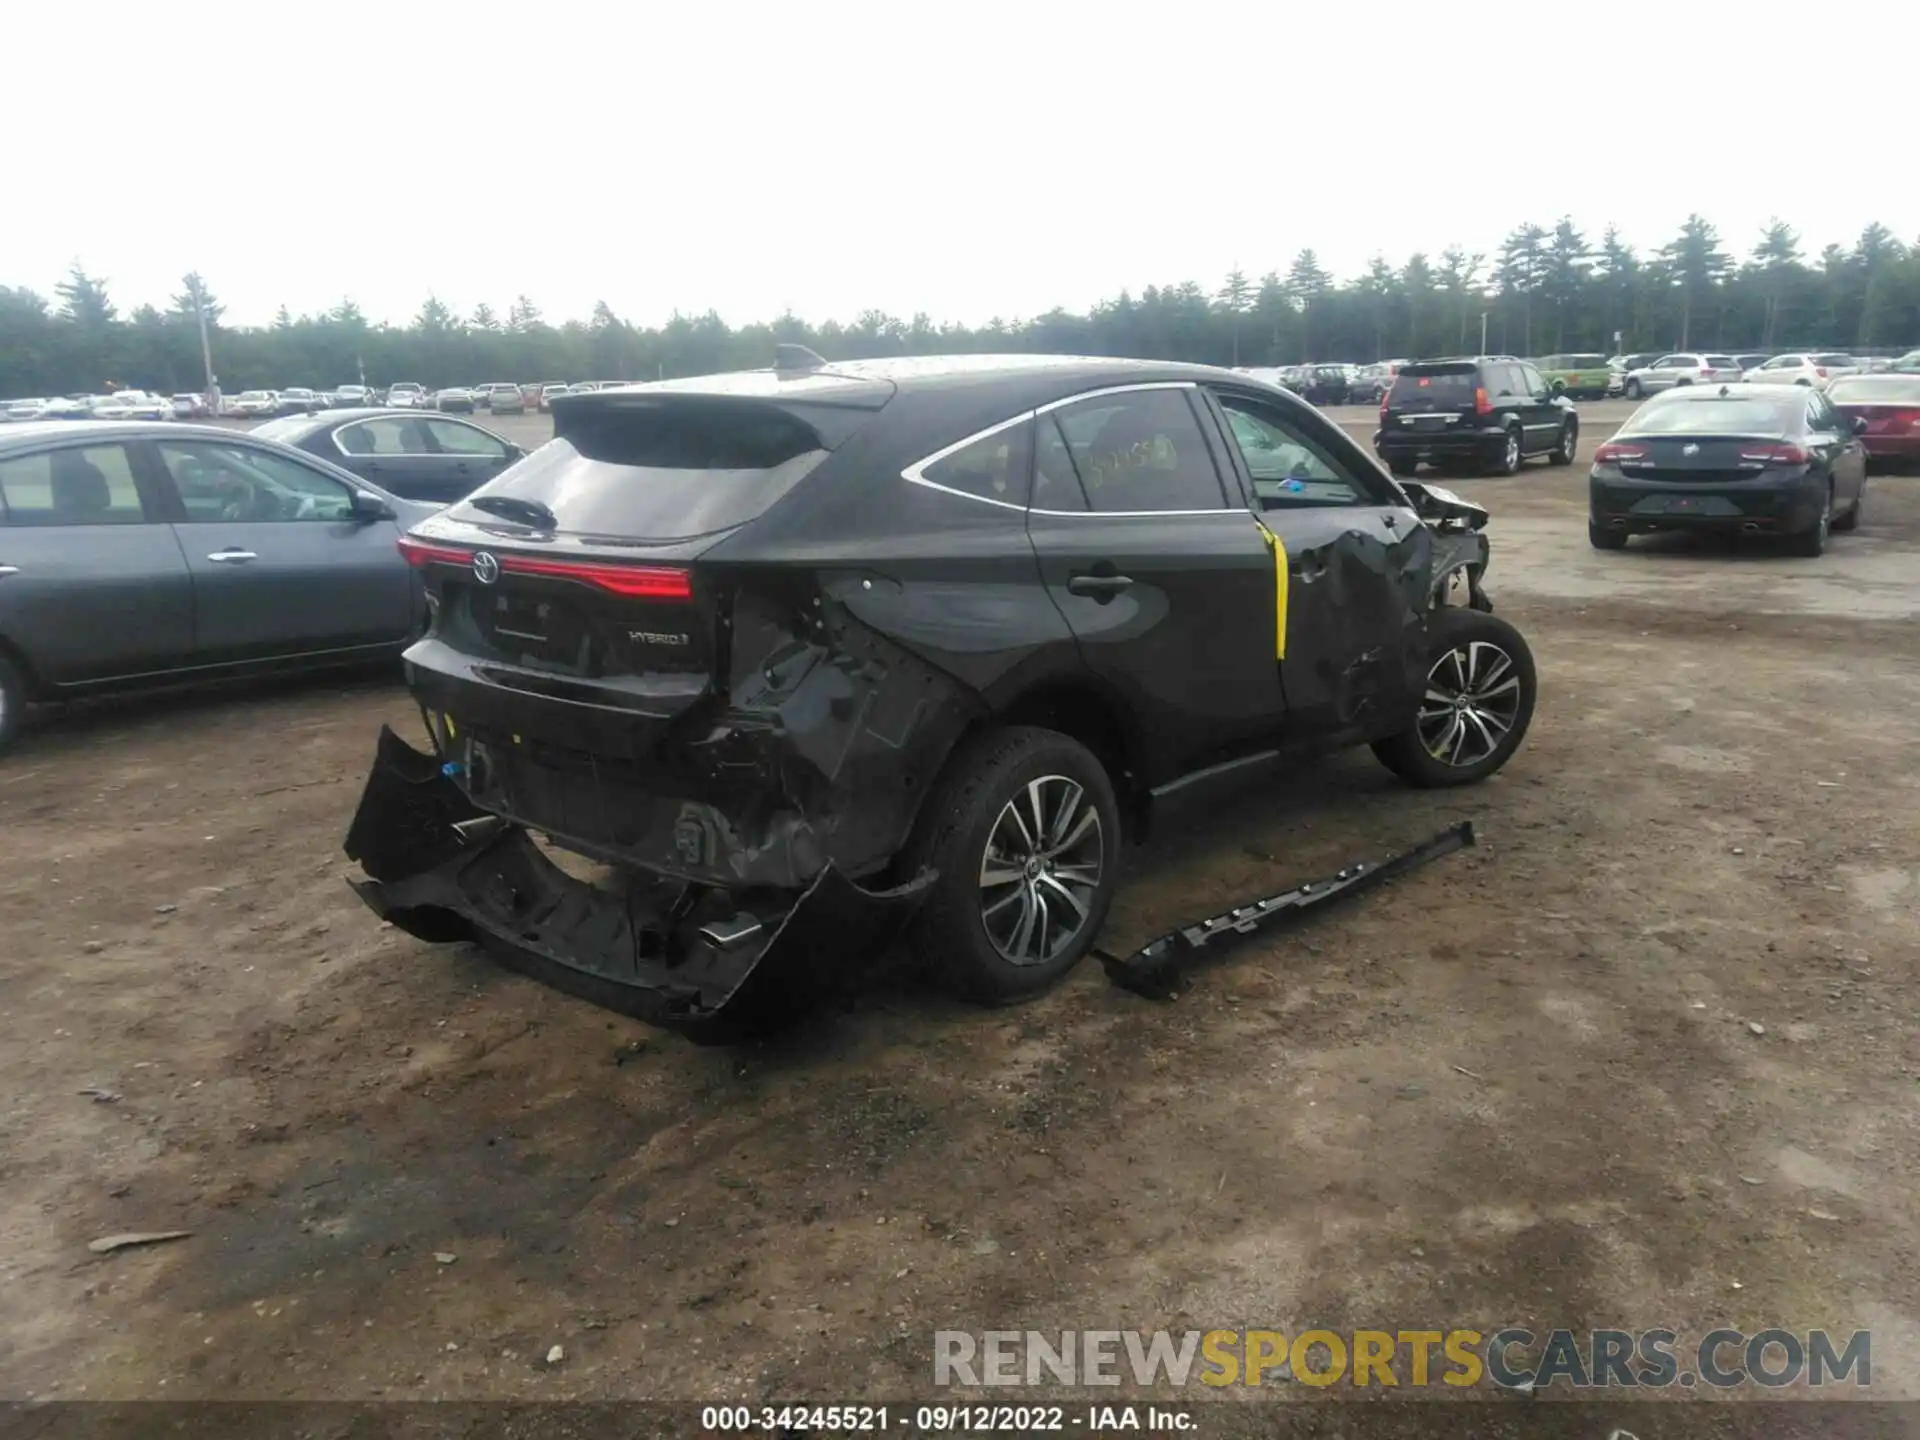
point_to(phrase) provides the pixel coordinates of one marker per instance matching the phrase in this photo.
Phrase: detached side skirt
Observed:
(1159, 968)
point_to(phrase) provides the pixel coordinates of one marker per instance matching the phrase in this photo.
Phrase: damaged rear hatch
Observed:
(574, 680)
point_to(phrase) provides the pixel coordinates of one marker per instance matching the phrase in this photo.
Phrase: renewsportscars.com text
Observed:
(1510, 1359)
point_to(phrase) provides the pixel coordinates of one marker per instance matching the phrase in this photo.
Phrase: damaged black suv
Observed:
(777, 662)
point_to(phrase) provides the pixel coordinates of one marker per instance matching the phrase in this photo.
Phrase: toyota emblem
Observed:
(486, 568)
(1684, 450)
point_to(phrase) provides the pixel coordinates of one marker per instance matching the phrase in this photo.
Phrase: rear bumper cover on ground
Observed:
(444, 871)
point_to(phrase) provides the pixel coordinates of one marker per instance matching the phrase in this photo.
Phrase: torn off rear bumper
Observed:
(443, 870)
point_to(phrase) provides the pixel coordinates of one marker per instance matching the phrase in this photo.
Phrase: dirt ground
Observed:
(1527, 1085)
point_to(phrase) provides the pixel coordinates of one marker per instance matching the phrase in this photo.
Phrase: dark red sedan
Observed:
(1890, 404)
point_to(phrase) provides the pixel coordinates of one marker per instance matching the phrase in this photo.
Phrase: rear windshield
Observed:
(1722, 362)
(1583, 362)
(1715, 415)
(1875, 390)
(1452, 385)
(669, 472)
(1833, 361)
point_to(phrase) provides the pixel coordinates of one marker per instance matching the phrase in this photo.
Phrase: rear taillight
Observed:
(1481, 404)
(1383, 407)
(1821, 371)
(418, 552)
(1613, 454)
(1706, 371)
(634, 582)
(1781, 454)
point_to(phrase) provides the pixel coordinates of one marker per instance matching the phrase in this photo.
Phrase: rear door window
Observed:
(76, 485)
(386, 435)
(1141, 451)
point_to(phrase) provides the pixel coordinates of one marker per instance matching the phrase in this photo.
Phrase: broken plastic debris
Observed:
(107, 1244)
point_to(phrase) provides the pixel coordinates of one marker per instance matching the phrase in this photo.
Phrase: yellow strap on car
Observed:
(1279, 551)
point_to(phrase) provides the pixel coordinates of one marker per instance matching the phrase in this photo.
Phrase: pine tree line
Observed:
(1548, 289)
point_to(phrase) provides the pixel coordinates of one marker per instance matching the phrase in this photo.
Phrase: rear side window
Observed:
(666, 471)
(1141, 451)
(89, 485)
(995, 467)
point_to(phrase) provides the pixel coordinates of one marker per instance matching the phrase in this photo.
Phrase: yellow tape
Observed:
(1279, 551)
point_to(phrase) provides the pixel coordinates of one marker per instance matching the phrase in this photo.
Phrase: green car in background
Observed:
(1585, 377)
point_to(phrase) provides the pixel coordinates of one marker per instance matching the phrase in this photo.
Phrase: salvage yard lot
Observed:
(1646, 1057)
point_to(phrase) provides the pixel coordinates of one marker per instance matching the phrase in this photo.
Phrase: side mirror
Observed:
(369, 506)
(514, 452)
(1859, 426)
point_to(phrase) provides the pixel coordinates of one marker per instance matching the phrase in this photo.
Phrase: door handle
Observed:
(232, 557)
(1099, 587)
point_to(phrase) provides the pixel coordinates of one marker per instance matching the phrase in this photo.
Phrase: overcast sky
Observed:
(828, 158)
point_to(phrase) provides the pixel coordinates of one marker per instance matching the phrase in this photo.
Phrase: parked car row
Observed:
(120, 405)
(1637, 376)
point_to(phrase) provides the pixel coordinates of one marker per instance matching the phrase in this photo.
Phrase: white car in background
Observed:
(406, 396)
(1815, 368)
(23, 409)
(142, 406)
(253, 405)
(1685, 367)
(350, 397)
(110, 407)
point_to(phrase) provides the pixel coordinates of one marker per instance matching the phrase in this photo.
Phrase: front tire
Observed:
(1563, 452)
(1475, 708)
(1024, 830)
(1632, 390)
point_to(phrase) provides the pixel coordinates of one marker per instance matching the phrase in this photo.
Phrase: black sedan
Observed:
(416, 454)
(1737, 459)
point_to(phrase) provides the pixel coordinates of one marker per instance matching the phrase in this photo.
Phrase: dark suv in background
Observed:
(809, 652)
(1485, 413)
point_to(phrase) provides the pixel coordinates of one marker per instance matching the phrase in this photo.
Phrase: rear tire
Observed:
(1483, 658)
(13, 703)
(1812, 541)
(1602, 538)
(1512, 454)
(994, 940)
(1851, 520)
(1402, 464)
(1569, 445)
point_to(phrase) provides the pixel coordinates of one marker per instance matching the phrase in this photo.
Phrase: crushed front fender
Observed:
(673, 955)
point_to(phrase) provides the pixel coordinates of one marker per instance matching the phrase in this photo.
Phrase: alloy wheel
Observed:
(1513, 450)
(1472, 700)
(1043, 865)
